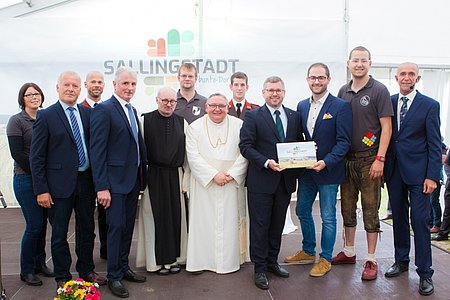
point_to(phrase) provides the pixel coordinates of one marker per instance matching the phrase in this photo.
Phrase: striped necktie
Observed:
(403, 109)
(279, 126)
(77, 136)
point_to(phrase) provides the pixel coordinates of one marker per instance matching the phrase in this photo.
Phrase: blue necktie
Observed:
(403, 109)
(77, 136)
(133, 127)
(279, 126)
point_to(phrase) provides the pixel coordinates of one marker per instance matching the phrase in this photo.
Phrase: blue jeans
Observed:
(306, 194)
(32, 251)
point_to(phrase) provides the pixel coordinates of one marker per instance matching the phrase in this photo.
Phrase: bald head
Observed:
(166, 100)
(407, 76)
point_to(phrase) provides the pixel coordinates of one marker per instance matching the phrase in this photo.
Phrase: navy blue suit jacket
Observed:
(258, 140)
(54, 154)
(332, 135)
(113, 149)
(416, 148)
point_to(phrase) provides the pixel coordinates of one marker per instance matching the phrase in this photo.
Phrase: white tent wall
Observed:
(407, 30)
(219, 37)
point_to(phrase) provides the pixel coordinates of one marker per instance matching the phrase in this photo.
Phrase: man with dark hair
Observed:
(238, 106)
(190, 104)
(327, 121)
(269, 187)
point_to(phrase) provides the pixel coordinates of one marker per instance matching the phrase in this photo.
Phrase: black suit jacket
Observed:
(258, 144)
(54, 154)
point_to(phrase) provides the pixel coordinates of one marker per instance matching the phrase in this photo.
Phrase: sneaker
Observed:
(301, 257)
(322, 267)
(342, 259)
(370, 270)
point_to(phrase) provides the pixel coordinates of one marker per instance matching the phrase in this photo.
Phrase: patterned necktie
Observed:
(279, 126)
(238, 109)
(403, 109)
(133, 126)
(77, 136)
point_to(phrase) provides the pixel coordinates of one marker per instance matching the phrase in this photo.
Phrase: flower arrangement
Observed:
(78, 289)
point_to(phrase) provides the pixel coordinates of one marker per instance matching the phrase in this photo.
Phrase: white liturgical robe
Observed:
(217, 233)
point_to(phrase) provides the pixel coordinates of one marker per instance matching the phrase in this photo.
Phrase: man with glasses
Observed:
(238, 106)
(372, 128)
(269, 187)
(327, 121)
(161, 232)
(217, 179)
(190, 104)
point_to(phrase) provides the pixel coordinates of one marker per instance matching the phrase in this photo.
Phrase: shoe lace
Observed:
(370, 265)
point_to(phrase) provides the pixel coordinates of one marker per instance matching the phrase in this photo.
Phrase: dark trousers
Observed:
(82, 201)
(102, 230)
(120, 217)
(445, 227)
(32, 252)
(418, 204)
(267, 217)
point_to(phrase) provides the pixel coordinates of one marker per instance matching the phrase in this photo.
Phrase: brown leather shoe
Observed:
(434, 229)
(94, 277)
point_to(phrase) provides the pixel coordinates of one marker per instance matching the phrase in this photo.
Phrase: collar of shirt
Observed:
(181, 97)
(242, 102)
(123, 103)
(410, 97)
(283, 116)
(65, 106)
(368, 84)
(321, 100)
(92, 102)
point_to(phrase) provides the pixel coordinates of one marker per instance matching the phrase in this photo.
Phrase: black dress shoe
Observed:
(426, 286)
(163, 271)
(94, 277)
(131, 276)
(31, 279)
(175, 269)
(278, 270)
(44, 270)
(396, 269)
(261, 281)
(118, 289)
(440, 237)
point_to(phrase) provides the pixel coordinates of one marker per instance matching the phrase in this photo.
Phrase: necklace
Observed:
(219, 141)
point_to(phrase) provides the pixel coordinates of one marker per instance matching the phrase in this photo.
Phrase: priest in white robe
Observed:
(217, 238)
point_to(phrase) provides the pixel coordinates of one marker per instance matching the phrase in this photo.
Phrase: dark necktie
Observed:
(133, 126)
(279, 126)
(238, 109)
(403, 109)
(95, 104)
(77, 136)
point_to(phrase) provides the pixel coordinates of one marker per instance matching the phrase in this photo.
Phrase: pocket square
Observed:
(327, 116)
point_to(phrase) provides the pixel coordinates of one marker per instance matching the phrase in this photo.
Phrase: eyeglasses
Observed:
(219, 106)
(31, 95)
(320, 78)
(167, 101)
(272, 91)
(184, 76)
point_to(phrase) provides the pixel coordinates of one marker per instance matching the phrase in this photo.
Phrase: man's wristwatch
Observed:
(380, 158)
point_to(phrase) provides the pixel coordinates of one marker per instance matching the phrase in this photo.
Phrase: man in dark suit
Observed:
(413, 163)
(327, 121)
(238, 106)
(62, 177)
(94, 85)
(118, 167)
(269, 187)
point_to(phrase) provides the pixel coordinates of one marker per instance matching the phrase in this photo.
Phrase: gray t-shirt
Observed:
(21, 125)
(191, 110)
(369, 104)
